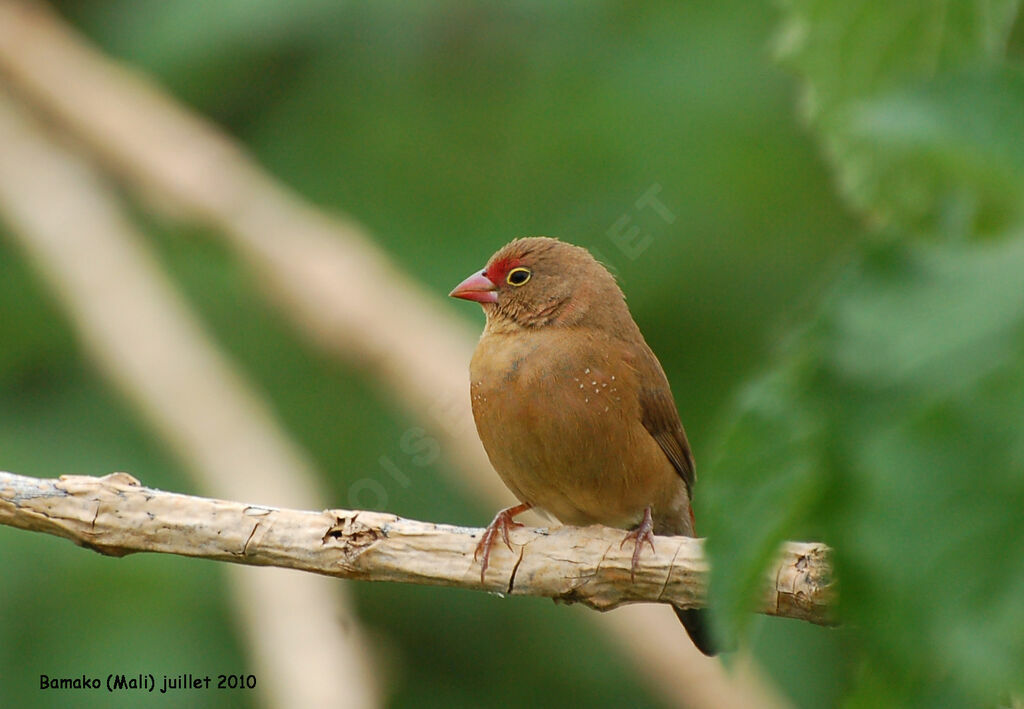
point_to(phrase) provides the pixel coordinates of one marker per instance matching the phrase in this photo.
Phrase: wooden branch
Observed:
(116, 515)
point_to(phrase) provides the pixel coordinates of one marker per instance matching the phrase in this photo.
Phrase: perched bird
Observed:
(572, 406)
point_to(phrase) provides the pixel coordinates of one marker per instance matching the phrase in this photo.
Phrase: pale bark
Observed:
(116, 515)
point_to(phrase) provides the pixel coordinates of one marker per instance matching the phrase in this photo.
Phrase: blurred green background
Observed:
(838, 217)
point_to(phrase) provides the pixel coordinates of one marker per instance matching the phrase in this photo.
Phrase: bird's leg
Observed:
(644, 532)
(502, 523)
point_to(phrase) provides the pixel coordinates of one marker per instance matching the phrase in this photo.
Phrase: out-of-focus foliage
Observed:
(915, 106)
(892, 425)
(893, 429)
(944, 158)
(889, 425)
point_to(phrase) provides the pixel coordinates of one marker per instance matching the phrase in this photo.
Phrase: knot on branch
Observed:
(352, 536)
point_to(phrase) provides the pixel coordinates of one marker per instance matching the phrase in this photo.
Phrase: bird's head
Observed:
(538, 281)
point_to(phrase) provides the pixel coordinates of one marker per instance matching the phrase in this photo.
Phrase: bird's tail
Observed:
(695, 620)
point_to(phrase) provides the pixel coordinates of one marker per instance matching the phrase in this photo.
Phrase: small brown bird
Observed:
(572, 406)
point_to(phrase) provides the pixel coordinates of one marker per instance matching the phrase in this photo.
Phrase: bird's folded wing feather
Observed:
(660, 418)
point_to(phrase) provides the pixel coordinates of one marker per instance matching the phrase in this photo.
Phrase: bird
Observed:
(573, 408)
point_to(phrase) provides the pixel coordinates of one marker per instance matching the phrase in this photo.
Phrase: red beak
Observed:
(477, 287)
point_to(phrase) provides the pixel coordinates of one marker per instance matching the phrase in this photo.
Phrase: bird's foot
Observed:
(644, 532)
(501, 524)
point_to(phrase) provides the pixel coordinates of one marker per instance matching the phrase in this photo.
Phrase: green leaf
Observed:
(766, 475)
(914, 108)
(847, 51)
(894, 427)
(924, 357)
(944, 157)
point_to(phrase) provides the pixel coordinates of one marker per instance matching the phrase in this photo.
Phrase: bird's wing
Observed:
(660, 418)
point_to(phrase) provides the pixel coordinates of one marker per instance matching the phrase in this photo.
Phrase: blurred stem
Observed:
(141, 335)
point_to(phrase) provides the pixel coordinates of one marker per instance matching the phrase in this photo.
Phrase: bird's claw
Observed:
(502, 522)
(644, 532)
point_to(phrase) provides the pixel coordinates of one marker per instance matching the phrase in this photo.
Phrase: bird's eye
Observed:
(518, 276)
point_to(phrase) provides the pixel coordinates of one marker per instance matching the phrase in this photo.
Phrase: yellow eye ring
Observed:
(518, 276)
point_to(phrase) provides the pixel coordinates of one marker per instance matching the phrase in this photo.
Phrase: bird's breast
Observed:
(538, 383)
(560, 422)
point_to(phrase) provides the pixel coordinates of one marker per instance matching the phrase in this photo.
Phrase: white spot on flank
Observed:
(586, 400)
(613, 377)
(604, 384)
(581, 386)
(593, 384)
(587, 370)
(606, 408)
(597, 391)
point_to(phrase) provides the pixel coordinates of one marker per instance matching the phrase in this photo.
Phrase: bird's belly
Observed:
(561, 443)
